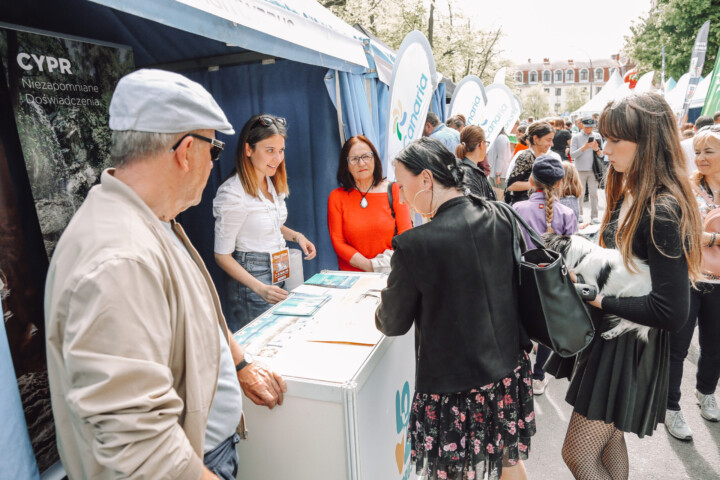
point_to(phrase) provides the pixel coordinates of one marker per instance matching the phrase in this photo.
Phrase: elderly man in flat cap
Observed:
(145, 376)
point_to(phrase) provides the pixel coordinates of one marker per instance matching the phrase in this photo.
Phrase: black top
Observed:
(520, 173)
(668, 303)
(454, 279)
(475, 180)
(560, 142)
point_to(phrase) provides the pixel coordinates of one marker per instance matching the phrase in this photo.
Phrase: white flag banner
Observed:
(517, 110)
(501, 110)
(500, 76)
(411, 90)
(469, 100)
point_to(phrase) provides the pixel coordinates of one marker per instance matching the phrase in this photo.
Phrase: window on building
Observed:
(519, 77)
(547, 76)
(583, 77)
(569, 76)
(558, 92)
(557, 107)
(547, 90)
(599, 75)
(558, 76)
(532, 76)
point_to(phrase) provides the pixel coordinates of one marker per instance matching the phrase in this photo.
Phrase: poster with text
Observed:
(59, 90)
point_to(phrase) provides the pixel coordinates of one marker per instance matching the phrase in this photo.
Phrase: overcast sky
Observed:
(559, 29)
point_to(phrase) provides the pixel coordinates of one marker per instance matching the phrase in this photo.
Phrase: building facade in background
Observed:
(557, 78)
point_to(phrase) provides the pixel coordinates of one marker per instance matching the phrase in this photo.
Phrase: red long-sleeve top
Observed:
(366, 230)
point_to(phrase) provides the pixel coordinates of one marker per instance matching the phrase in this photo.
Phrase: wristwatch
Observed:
(247, 360)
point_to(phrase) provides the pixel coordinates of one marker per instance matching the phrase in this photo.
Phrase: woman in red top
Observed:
(360, 220)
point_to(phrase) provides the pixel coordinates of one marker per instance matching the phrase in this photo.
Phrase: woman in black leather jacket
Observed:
(473, 409)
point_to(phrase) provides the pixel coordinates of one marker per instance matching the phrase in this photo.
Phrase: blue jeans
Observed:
(543, 353)
(246, 305)
(705, 313)
(223, 460)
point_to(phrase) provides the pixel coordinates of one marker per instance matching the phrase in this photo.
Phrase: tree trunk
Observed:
(431, 22)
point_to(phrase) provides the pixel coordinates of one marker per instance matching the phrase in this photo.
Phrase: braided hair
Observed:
(550, 195)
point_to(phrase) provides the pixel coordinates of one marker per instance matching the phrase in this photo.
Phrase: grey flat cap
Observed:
(164, 102)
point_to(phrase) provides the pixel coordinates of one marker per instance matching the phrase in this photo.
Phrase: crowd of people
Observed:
(147, 379)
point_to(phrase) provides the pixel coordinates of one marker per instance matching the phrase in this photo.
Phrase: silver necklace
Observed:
(364, 202)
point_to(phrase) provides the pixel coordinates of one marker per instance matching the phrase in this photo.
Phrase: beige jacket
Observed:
(132, 344)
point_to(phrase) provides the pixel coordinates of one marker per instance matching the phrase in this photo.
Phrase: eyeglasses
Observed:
(215, 150)
(267, 121)
(365, 157)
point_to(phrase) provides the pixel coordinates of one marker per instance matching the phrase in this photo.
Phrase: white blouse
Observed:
(246, 223)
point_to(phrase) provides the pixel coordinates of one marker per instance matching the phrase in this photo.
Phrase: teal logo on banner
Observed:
(402, 417)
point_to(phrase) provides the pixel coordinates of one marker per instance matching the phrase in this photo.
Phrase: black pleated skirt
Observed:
(623, 381)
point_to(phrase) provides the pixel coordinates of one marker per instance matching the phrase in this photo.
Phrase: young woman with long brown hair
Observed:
(620, 385)
(250, 215)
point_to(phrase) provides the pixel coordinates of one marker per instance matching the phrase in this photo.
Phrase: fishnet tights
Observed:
(594, 450)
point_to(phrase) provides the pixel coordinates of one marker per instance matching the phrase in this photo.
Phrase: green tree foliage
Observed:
(535, 102)
(459, 47)
(675, 24)
(575, 97)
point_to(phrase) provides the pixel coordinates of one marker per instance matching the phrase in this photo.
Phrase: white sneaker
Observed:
(708, 407)
(580, 219)
(676, 426)
(539, 386)
(595, 221)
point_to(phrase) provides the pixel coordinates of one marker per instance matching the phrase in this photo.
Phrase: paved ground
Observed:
(659, 456)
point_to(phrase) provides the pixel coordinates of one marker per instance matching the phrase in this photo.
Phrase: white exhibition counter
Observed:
(349, 392)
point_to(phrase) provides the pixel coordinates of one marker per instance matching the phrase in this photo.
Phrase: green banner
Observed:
(712, 100)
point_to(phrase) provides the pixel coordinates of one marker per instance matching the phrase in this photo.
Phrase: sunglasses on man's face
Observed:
(215, 150)
(267, 121)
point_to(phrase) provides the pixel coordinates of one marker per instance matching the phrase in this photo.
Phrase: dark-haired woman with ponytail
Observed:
(472, 151)
(250, 215)
(539, 137)
(544, 214)
(472, 411)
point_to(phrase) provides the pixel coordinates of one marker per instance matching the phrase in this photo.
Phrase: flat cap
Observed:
(158, 101)
(548, 169)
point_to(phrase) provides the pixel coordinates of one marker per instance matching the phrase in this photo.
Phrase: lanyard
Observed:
(275, 216)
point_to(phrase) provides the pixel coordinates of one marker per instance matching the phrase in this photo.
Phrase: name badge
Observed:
(280, 265)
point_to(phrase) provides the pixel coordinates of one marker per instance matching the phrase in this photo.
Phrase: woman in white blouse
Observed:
(250, 214)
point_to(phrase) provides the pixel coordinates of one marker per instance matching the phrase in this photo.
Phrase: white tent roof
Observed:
(698, 100)
(598, 102)
(676, 96)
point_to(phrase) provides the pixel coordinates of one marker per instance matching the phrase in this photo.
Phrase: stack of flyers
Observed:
(301, 305)
(332, 280)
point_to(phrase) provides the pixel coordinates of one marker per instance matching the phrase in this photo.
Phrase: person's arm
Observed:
(270, 293)
(343, 249)
(117, 345)
(578, 145)
(668, 303)
(259, 383)
(518, 179)
(307, 246)
(400, 299)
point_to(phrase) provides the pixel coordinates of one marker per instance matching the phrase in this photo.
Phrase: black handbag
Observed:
(551, 310)
(599, 167)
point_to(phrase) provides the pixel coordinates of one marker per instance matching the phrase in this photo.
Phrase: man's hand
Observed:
(262, 385)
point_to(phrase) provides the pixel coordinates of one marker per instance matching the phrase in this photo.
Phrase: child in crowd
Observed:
(544, 214)
(571, 189)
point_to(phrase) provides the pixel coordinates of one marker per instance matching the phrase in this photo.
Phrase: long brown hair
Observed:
(657, 173)
(253, 132)
(571, 184)
(470, 139)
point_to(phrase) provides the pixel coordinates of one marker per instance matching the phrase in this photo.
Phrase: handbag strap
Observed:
(392, 209)
(517, 252)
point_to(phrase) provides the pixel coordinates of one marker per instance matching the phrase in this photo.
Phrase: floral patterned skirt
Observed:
(463, 436)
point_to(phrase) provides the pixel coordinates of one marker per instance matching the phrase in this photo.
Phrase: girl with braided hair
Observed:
(472, 411)
(544, 214)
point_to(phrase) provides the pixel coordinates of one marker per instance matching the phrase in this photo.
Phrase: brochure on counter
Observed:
(332, 280)
(301, 305)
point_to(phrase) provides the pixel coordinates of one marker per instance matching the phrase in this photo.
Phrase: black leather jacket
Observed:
(454, 278)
